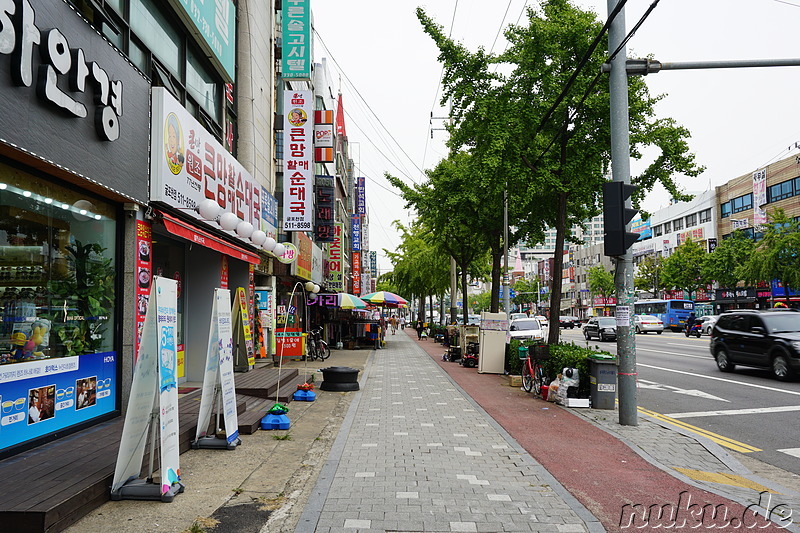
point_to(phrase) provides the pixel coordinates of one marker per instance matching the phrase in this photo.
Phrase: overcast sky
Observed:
(740, 119)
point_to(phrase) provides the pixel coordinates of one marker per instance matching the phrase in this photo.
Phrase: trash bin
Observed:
(602, 380)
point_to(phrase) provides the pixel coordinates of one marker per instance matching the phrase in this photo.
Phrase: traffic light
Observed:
(616, 216)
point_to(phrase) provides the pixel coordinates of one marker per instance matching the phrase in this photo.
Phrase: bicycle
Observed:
(532, 372)
(317, 348)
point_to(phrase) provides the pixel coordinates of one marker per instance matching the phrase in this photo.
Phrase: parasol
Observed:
(386, 298)
(350, 301)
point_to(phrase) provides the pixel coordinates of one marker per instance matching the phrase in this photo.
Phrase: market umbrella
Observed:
(386, 298)
(350, 301)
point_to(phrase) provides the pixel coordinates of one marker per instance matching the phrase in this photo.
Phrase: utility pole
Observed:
(506, 284)
(621, 172)
(454, 292)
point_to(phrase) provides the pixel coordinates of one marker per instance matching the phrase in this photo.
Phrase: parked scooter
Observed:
(470, 358)
(695, 330)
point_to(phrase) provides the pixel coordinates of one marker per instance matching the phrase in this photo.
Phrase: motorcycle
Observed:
(695, 330)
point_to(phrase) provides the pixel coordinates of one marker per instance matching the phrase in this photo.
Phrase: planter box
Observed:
(514, 381)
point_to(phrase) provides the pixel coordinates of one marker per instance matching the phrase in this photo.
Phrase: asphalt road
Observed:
(747, 410)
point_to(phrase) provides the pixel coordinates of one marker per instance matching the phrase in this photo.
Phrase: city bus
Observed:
(673, 313)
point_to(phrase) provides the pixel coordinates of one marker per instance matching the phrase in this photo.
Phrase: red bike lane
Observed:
(623, 490)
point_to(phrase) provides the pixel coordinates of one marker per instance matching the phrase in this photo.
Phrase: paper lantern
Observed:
(258, 237)
(279, 250)
(310, 286)
(208, 209)
(228, 221)
(269, 244)
(244, 229)
(315, 290)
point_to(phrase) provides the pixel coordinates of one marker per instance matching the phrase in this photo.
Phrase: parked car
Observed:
(758, 339)
(526, 328)
(707, 323)
(514, 316)
(569, 322)
(648, 323)
(602, 327)
(542, 320)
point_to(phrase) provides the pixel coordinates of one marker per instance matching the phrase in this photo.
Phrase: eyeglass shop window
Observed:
(58, 367)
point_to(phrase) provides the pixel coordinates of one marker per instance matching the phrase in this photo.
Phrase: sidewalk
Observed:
(428, 445)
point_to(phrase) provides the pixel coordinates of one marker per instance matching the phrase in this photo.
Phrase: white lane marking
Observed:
(645, 384)
(704, 376)
(791, 451)
(730, 412)
(675, 353)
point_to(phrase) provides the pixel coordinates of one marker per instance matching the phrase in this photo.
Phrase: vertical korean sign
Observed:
(144, 270)
(297, 53)
(356, 273)
(334, 275)
(323, 209)
(361, 196)
(216, 22)
(759, 197)
(298, 197)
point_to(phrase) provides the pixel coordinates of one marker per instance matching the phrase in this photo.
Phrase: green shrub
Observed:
(570, 355)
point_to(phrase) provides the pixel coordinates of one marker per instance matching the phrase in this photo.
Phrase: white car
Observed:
(647, 323)
(542, 320)
(707, 323)
(525, 328)
(514, 316)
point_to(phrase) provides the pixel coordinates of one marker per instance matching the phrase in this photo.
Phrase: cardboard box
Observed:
(514, 381)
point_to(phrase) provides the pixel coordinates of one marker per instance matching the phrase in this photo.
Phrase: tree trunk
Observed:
(430, 300)
(421, 309)
(558, 262)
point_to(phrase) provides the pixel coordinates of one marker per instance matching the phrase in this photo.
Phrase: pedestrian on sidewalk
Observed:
(419, 326)
(393, 324)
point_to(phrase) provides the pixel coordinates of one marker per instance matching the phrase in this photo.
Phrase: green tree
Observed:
(649, 276)
(450, 209)
(684, 268)
(777, 255)
(526, 292)
(725, 264)
(419, 267)
(600, 281)
(509, 122)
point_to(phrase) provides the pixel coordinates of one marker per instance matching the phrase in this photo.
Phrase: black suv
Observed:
(759, 339)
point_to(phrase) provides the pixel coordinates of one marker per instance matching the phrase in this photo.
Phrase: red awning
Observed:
(196, 235)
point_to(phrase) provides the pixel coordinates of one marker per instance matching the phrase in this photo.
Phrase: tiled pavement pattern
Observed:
(417, 454)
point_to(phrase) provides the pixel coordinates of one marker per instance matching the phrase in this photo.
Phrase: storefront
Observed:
(209, 223)
(72, 173)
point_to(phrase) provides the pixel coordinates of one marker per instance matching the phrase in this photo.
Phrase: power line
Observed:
(500, 29)
(364, 100)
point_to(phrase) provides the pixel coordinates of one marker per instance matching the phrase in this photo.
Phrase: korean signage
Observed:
(695, 234)
(334, 272)
(41, 397)
(642, 227)
(712, 245)
(323, 135)
(269, 214)
(356, 232)
(215, 22)
(779, 291)
(759, 197)
(298, 192)
(323, 209)
(63, 92)
(738, 294)
(373, 263)
(296, 57)
(599, 301)
(361, 197)
(739, 223)
(302, 267)
(324, 300)
(144, 273)
(188, 165)
(356, 272)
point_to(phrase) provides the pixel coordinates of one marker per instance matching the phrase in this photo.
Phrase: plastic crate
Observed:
(541, 351)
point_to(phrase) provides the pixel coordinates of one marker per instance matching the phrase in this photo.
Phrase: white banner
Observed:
(154, 371)
(167, 322)
(298, 160)
(219, 368)
(759, 197)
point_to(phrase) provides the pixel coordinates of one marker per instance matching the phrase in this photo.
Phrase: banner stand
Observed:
(219, 387)
(147, 489)
(212, 442)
